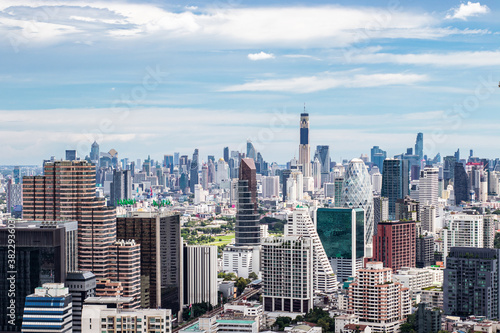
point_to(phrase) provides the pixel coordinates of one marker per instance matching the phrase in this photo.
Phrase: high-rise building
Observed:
(460, 184)
(341, 231)
(251, 152)
(338, 183)
(357, 193)
(287, 274)
(489, 230)
(380, 210)
(81, 285)
(427, 318)
(323, 154)
(200, 274)
(424, 251)
(247, 217)
(380, 302)
(49, 309)
(128, 270)
(395, 182)
(301, 224)
(226, 154)
(428, 187)
(471, 282)
(419, 146)
(14, 198)
(304, 149)
(270, 186)
(159, 235)
(43, 253)
(70, 155)
(121, 187)
(193, 172)
(462, 230)
(94, 153)
(285, 174)
(428, 218)
(204, 176)
(407, 209)
(394, 244)
(316, 174)
(378, 156)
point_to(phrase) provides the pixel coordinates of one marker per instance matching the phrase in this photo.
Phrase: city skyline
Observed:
(152, 78)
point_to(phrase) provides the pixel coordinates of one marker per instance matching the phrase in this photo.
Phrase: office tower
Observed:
(247, 217)
(357, 193)
(394, 244)
(301, 224)
(212, 176)
(380, 210)
(159, 235)
(295, 187)
(415, 172)
(376, 178)
(251, 152)
(49, 309)
(428, 218)
(304, 149)
(81, 285)
(168, 161)
(204, 176)
(107, 310)
(200, 274)
(338, 183)
(14, 198)
(270, 186)
(424, 251)
(121, 187)
(378, 156)
(128, 270)
(17, 175)
(41, 256)
(323, 154)
(471, 282)
(222, 173)
(287, 274)
(70, 155)
(462, 230)
(285, 174)
(489, 230)
(329, 189)
(395, 183)
(193, 173)
(407, 209)
(94, 153)
(199, 194)
(226, 154)
(460, 184)
(374, 287)
(341, 231)
(316, 173)
(428, 187)
(419, 146)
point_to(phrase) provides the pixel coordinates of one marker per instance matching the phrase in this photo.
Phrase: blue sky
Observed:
(151, 77)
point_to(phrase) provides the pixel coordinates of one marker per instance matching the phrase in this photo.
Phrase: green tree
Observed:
(282, 322)
(253, 276)
(241, 284)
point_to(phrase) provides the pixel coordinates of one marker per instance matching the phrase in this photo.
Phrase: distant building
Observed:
(304, 148)
(71, 155)
(49, 309)
(424, 251)
(200, 274)
(395, 182)
(460, 184)
(462, 230)
(378, 156)
(121, 187)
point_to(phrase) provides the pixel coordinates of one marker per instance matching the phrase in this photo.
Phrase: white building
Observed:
(200, 279)
(377, 182)
(270, 186)
(287, 274)
(428, 217)
(419, 278)
(241, 260)
(99, 317)
(301, 224)
(341, 321)
(222, 172)
(428, 188)
(462, 230)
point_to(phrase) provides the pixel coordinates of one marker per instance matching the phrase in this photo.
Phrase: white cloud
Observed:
(466, 59)
(325, 81)
(313, 26)
(260, 56)
(468, 9)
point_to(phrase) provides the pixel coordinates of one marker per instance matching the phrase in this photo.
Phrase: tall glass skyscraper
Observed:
(419, 146)
(251, 152)
(395, 182)
(323, 155)
(304, 148)
(247, 216)
(460, 184)
(193, 176)
(378, 156)
(357, 193)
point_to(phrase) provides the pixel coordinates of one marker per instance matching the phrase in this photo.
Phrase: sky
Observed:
(157, 77)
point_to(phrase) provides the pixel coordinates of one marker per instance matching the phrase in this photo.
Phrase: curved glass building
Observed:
(357, 193)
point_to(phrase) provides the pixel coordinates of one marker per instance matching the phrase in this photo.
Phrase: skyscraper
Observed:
(94, 153)
(251, 152)
(378, 156)
(70, 155)
(193, 174)
(460, 184)
(200, 274)
(247, 216)
(419, 146)
(304, 149)
(395, 182)
(394, 244)
(357, 193)
(323, 154)
(471, 282)
(81, 285)
(121, 187)
(226, 154)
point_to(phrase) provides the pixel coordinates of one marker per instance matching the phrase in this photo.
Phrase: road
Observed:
(218, 310)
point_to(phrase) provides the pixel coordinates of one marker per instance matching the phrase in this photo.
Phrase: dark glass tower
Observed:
(226, 154)
(193, 176)
(378, 157)
(323, 154)
(395, 182)
(460, 184)
(247, 216)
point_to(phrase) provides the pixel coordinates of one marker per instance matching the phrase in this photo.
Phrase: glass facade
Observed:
(334, 227)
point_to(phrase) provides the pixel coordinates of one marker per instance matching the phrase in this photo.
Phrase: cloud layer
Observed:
(466, 10)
